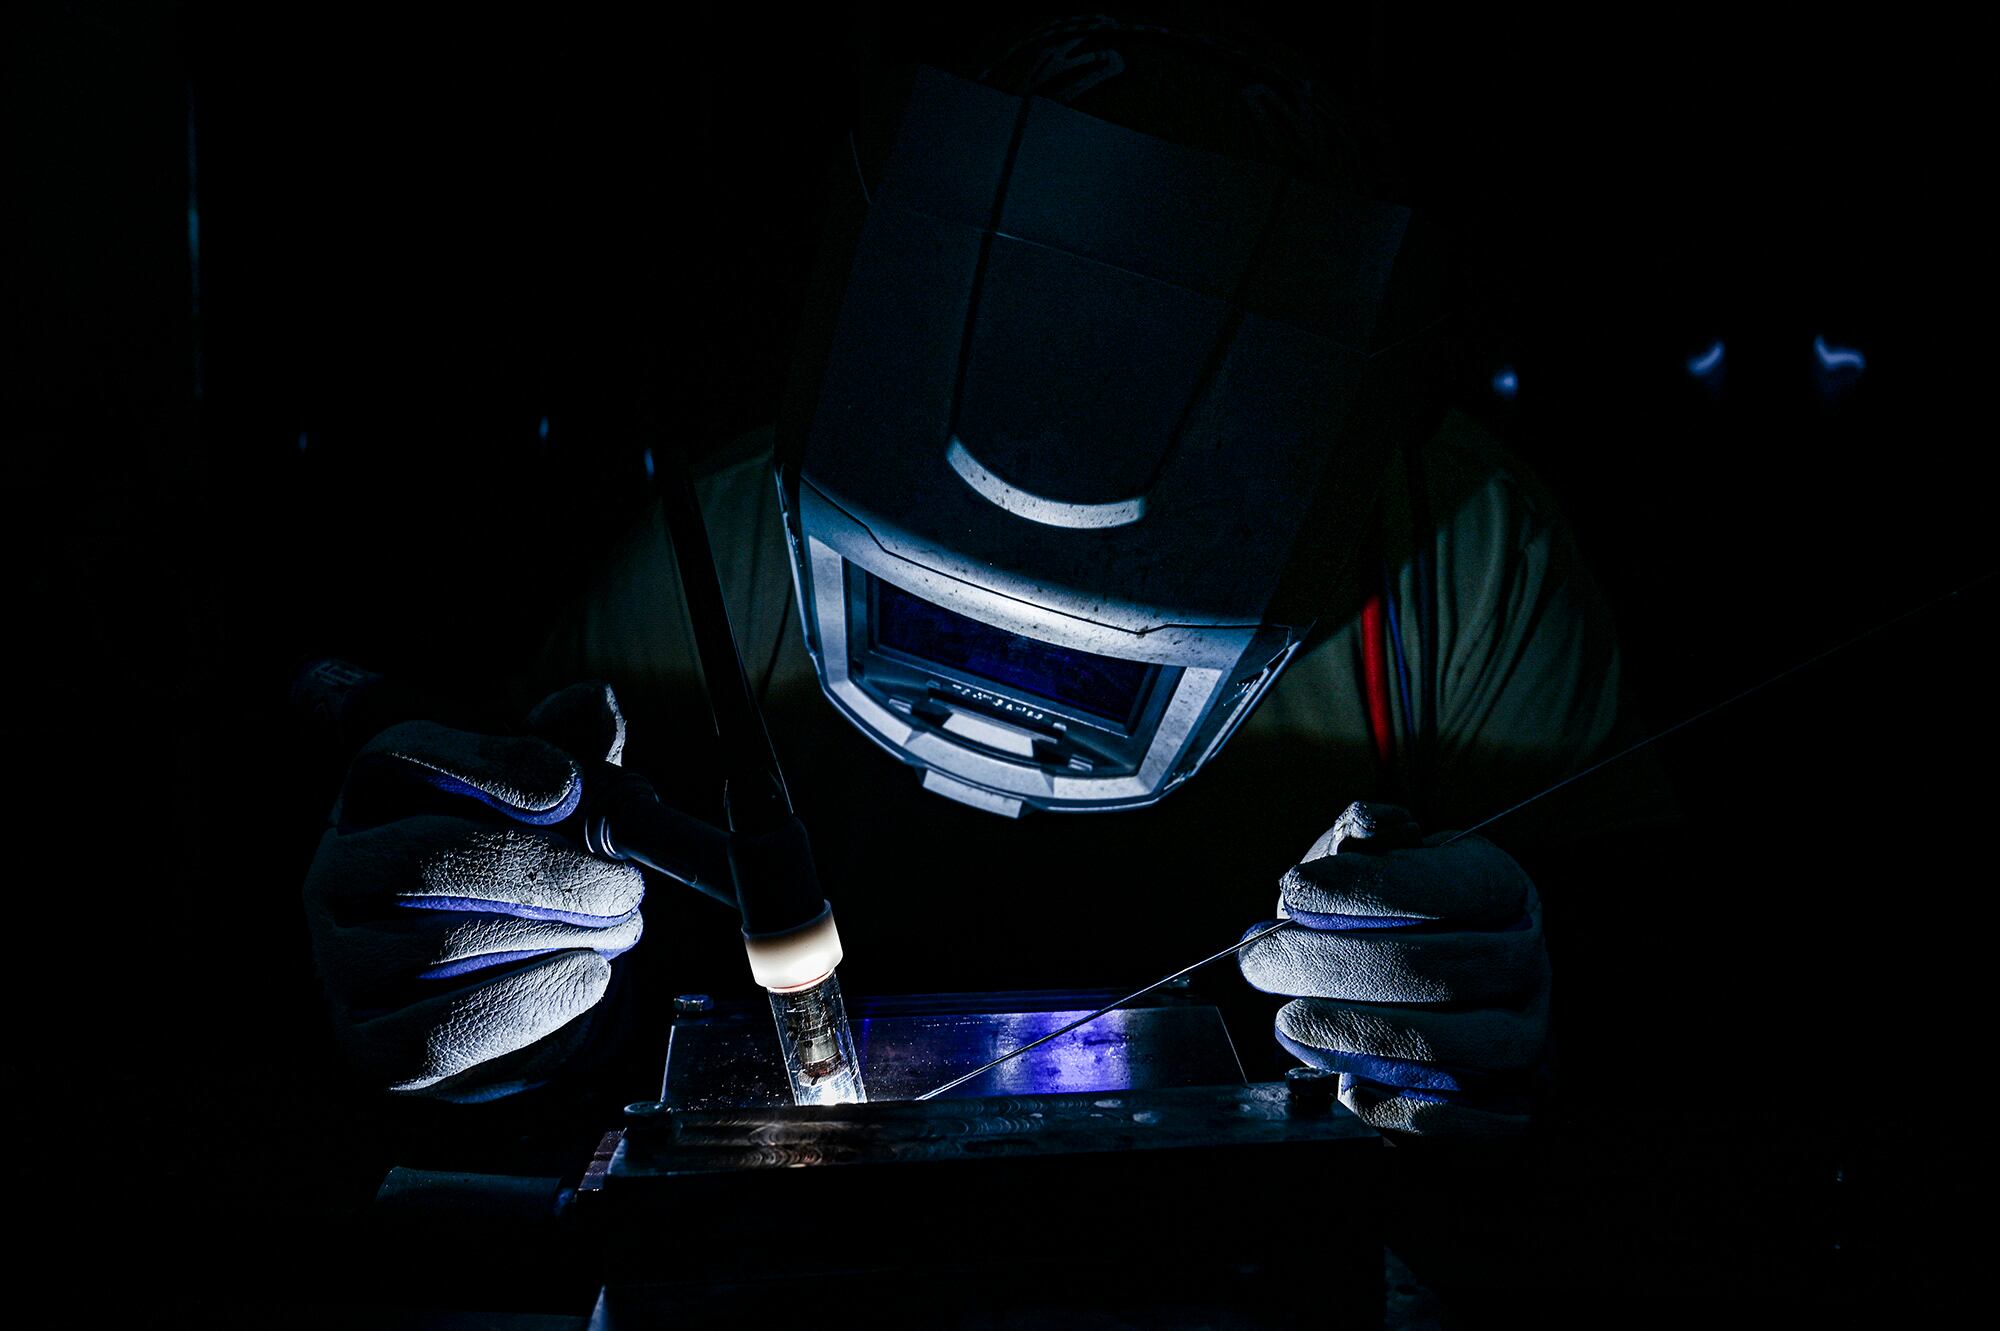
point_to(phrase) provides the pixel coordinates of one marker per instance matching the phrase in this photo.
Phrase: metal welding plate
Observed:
(729, 1058)
(1172, 1206)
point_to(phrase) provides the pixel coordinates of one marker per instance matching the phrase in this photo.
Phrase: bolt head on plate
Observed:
(1311, 1088)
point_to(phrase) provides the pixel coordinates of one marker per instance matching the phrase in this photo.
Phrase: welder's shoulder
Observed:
(1531, 681)
(1502, 548)
(629, 624)
(1476, 486)
(726, 478)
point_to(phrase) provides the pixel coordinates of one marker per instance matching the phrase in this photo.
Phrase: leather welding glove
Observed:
(463, 944)
(1417, 971)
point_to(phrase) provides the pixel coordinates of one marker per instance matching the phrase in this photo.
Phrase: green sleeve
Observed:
(629, 624)
(1529, 681)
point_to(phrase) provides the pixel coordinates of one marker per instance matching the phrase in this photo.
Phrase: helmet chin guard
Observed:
(1098, 428)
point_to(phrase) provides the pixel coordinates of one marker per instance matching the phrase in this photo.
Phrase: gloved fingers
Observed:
(1419, 974)
(434, 862)
(1387, 1109)
(1423, 1048)
(524, 777)
(510, 1074)
(583, 719)
(1470, 883)
(420, 1045)
(1470, 969)
(383, 958)
(1367, 826)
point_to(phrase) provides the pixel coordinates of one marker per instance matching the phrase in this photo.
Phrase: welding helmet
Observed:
(1086, 429)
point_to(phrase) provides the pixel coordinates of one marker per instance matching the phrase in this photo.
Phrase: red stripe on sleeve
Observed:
(1375, 680)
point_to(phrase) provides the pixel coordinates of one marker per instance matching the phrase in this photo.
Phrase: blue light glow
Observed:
(648, 459)
(1835, 358)
(1707, 361)
(1096, 1057)
(545, 427)
(1504, 382)
(302, 441)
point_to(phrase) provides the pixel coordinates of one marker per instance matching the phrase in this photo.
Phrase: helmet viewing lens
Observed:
(925, 633)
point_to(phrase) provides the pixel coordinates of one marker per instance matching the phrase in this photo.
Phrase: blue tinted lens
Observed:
(1103, 686)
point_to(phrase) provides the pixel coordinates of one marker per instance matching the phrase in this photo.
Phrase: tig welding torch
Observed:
(788, 928)
(763, 863)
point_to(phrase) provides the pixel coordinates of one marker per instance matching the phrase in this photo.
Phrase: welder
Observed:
(1114, 461)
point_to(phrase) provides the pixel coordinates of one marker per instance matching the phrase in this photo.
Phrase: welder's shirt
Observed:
(1526, 671)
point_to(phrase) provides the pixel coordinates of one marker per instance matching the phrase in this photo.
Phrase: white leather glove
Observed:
(463, 944)
(1417, 971)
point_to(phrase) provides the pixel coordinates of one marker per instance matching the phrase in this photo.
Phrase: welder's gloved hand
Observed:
(463, 944)
(1418, 972)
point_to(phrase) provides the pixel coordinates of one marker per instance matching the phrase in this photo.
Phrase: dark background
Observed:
(291, 292)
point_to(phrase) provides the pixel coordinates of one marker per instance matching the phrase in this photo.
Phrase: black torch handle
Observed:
(770, 858)
(753, 787)
(624, 819)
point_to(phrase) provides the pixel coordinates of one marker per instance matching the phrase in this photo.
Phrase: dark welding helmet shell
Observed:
(1076, 396)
